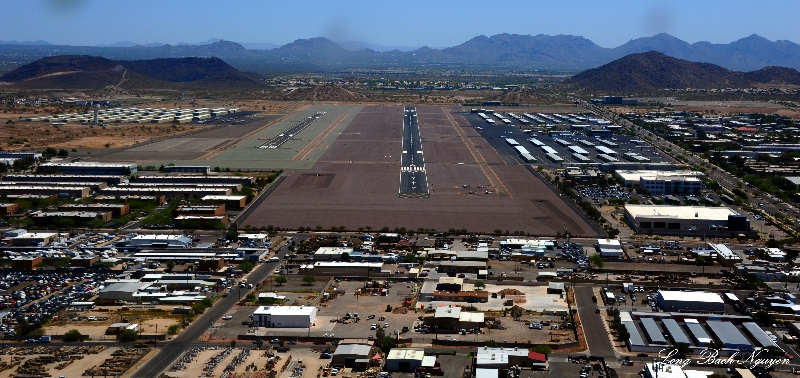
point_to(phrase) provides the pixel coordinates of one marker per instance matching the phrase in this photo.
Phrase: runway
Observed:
(413, 179)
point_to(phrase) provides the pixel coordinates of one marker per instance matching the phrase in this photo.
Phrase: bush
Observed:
(72, 336)
(128, 335)
(173, 329)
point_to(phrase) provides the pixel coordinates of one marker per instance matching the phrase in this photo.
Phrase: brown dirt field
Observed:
(365, 192)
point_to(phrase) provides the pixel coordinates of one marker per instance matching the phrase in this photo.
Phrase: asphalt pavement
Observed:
(595, 332)
(413, 179)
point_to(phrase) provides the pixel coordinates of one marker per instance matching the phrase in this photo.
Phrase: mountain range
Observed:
(652, 71)
(90, 72)
(509, 51)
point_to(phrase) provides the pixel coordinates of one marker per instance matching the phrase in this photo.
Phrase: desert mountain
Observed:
(653, 71)
(80, 71)
(512, 51)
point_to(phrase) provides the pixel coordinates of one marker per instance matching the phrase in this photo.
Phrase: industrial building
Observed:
(285, 316)
(331, 253)
(725, 256)
(504, 358)
(684, 220)
(352, 355)
(690, 300)
(84, 168)
(349, 269)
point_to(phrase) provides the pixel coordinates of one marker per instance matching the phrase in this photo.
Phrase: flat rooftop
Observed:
(680, 212)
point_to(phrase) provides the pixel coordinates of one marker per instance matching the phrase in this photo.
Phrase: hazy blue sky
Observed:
(435, 23)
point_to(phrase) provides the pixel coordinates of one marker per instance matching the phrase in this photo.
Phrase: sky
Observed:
(433, 23)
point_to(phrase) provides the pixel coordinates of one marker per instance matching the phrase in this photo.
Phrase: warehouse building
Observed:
(684, 220)
(504, 358)
(730, 336)
(123, 291)
(159, 241)
(405, 360)
(331, 253)
(285, 316)
(690, 300)
(348, 269)
(84, 168)
(725, 256)
(699, 334)
(352, 355)
(610, 248)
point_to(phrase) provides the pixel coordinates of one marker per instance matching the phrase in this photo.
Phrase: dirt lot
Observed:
(147, 320)
(75, 361)
(364, 184)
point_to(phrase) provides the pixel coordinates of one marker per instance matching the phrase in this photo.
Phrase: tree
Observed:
(345, 256)
(259, 343)
(63, 153)
(173, 329)
(388, 343)
(72, 336)
(479, 285)
(246, 267)
(170, 265)
(281, 280)
(597, 260)
(128, 335)
(309, 279)
(380, 333)
(233, 343)
(682, 349)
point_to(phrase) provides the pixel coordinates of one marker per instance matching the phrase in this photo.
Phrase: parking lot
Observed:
(496, 135)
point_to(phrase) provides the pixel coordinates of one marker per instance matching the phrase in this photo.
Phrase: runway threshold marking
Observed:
(314, 143)
(211, 154)
(494, 180)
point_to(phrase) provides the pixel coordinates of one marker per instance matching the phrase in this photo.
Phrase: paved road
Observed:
(413, 180)
(596, 335)
(170, 351)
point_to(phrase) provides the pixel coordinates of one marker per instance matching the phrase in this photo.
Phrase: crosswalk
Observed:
(412, 169)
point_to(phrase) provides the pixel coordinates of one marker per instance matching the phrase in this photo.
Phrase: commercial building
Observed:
(44, 218)
(110, 180)
(116, 209)
(200, 210)
(669, 184)
(7, 209)
(84, 168)
(331, 253)
(212, 222)
(160, 241)
(348, 269)
(59, 191)
(203, 169)
(504, 358)
(285, 316)
(633, 177)
(685, 220)
(34, 238)
(690, 300)
(230, 202)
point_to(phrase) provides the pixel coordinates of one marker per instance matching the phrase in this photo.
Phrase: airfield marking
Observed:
(211, 154)
(485, 167)
(314, 143)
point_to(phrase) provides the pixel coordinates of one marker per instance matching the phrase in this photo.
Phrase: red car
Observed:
(462, 275)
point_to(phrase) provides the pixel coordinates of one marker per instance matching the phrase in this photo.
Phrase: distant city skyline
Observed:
(409, 23)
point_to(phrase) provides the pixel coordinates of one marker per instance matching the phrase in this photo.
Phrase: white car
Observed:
(373, 327)
(227, 317)
(334, 371)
